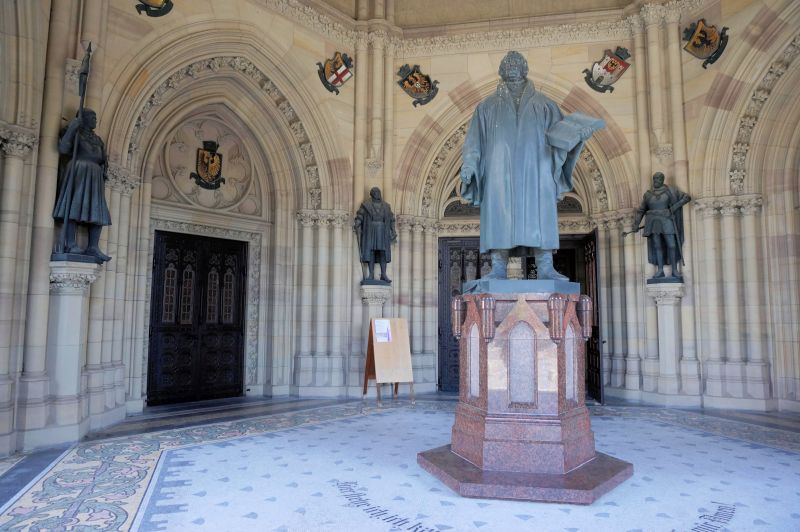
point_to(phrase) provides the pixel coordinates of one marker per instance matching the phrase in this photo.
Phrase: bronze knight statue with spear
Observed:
(81, 196)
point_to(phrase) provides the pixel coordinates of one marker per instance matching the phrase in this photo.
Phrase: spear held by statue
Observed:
(83, 79)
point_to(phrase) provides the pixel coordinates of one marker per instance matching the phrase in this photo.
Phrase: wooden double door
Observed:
(196, 319)
(460, 260)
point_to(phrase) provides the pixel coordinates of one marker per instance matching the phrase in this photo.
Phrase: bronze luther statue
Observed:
(375, 232)
(663, 228)
(519, 155)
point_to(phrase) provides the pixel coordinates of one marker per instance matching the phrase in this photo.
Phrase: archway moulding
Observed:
(173, 64)
(718, 160)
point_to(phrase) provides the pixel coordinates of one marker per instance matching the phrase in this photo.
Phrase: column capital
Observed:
(16, 141)
(665, 293)
(121, 179)
(653, 14)
(72, 277)
(744, 204)
(375, 294)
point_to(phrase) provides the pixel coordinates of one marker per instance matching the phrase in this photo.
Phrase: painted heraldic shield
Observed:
(417, 85)
(705, 42)
(335, 72)
(608, 70)
(209, 166)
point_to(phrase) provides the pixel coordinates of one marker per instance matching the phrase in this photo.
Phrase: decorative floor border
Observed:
(101, 484)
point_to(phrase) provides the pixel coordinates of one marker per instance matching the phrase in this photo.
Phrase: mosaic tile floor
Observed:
(338, 468)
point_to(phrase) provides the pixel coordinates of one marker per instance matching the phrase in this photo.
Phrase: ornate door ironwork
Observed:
(196, 319)
(460, 260)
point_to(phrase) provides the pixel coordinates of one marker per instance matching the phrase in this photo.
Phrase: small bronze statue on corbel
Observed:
(661, 207)
(375, 233)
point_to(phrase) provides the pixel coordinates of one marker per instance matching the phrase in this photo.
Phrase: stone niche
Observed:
(522, 429)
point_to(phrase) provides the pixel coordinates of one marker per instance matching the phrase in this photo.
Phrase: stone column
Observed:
(632, 310)
(618, 353)
(425, 370)
(706, 209)
(668, 301)
(653, 17)
(66, 354)
(404, 270)
(604, 291)
(15, 145)
(731, 281)
(33, 382)
(303, 366)
(642, 122)
(757, 370)
(359, 127)
(375, 161)
(127, 183)
(388, 121)
(321, 300)
(417, 286)
(139, 334)
(112, 273)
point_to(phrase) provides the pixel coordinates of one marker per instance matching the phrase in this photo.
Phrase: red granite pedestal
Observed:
(522, 430)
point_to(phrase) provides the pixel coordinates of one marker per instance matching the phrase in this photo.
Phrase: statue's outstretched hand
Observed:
(467, 175)
(586, 133)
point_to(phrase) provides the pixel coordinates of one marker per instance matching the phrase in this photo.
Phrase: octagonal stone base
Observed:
(582, 485)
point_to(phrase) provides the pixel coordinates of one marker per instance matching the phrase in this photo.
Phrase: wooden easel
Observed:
(388, 356)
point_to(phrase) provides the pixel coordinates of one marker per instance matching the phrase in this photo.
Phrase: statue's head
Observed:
(658, 180)
(513, 67)
(89, 118)
(375, 193)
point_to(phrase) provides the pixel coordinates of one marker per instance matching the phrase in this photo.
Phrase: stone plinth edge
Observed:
(522, 286)
(375, 294)
(582, 485)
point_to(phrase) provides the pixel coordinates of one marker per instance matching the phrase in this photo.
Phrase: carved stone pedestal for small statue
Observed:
(522, 430)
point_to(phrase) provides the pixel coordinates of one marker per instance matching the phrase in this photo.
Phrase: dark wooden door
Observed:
(460, 260)
(196, 319)
(594, 360)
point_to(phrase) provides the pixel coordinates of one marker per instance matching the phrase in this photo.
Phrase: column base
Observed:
(650, 375)
(582, 485)
(656, 399)
(632, 373)
(690, 377)
(738, 403)
(134, 406)
(735, 379)
(669, 385)
(107, 418)
(715, 380)
(757, 382)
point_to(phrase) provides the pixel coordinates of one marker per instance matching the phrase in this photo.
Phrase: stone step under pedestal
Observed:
(583, 485)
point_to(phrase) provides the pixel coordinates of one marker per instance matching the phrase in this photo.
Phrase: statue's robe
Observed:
(519, 174)
(81, 195)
